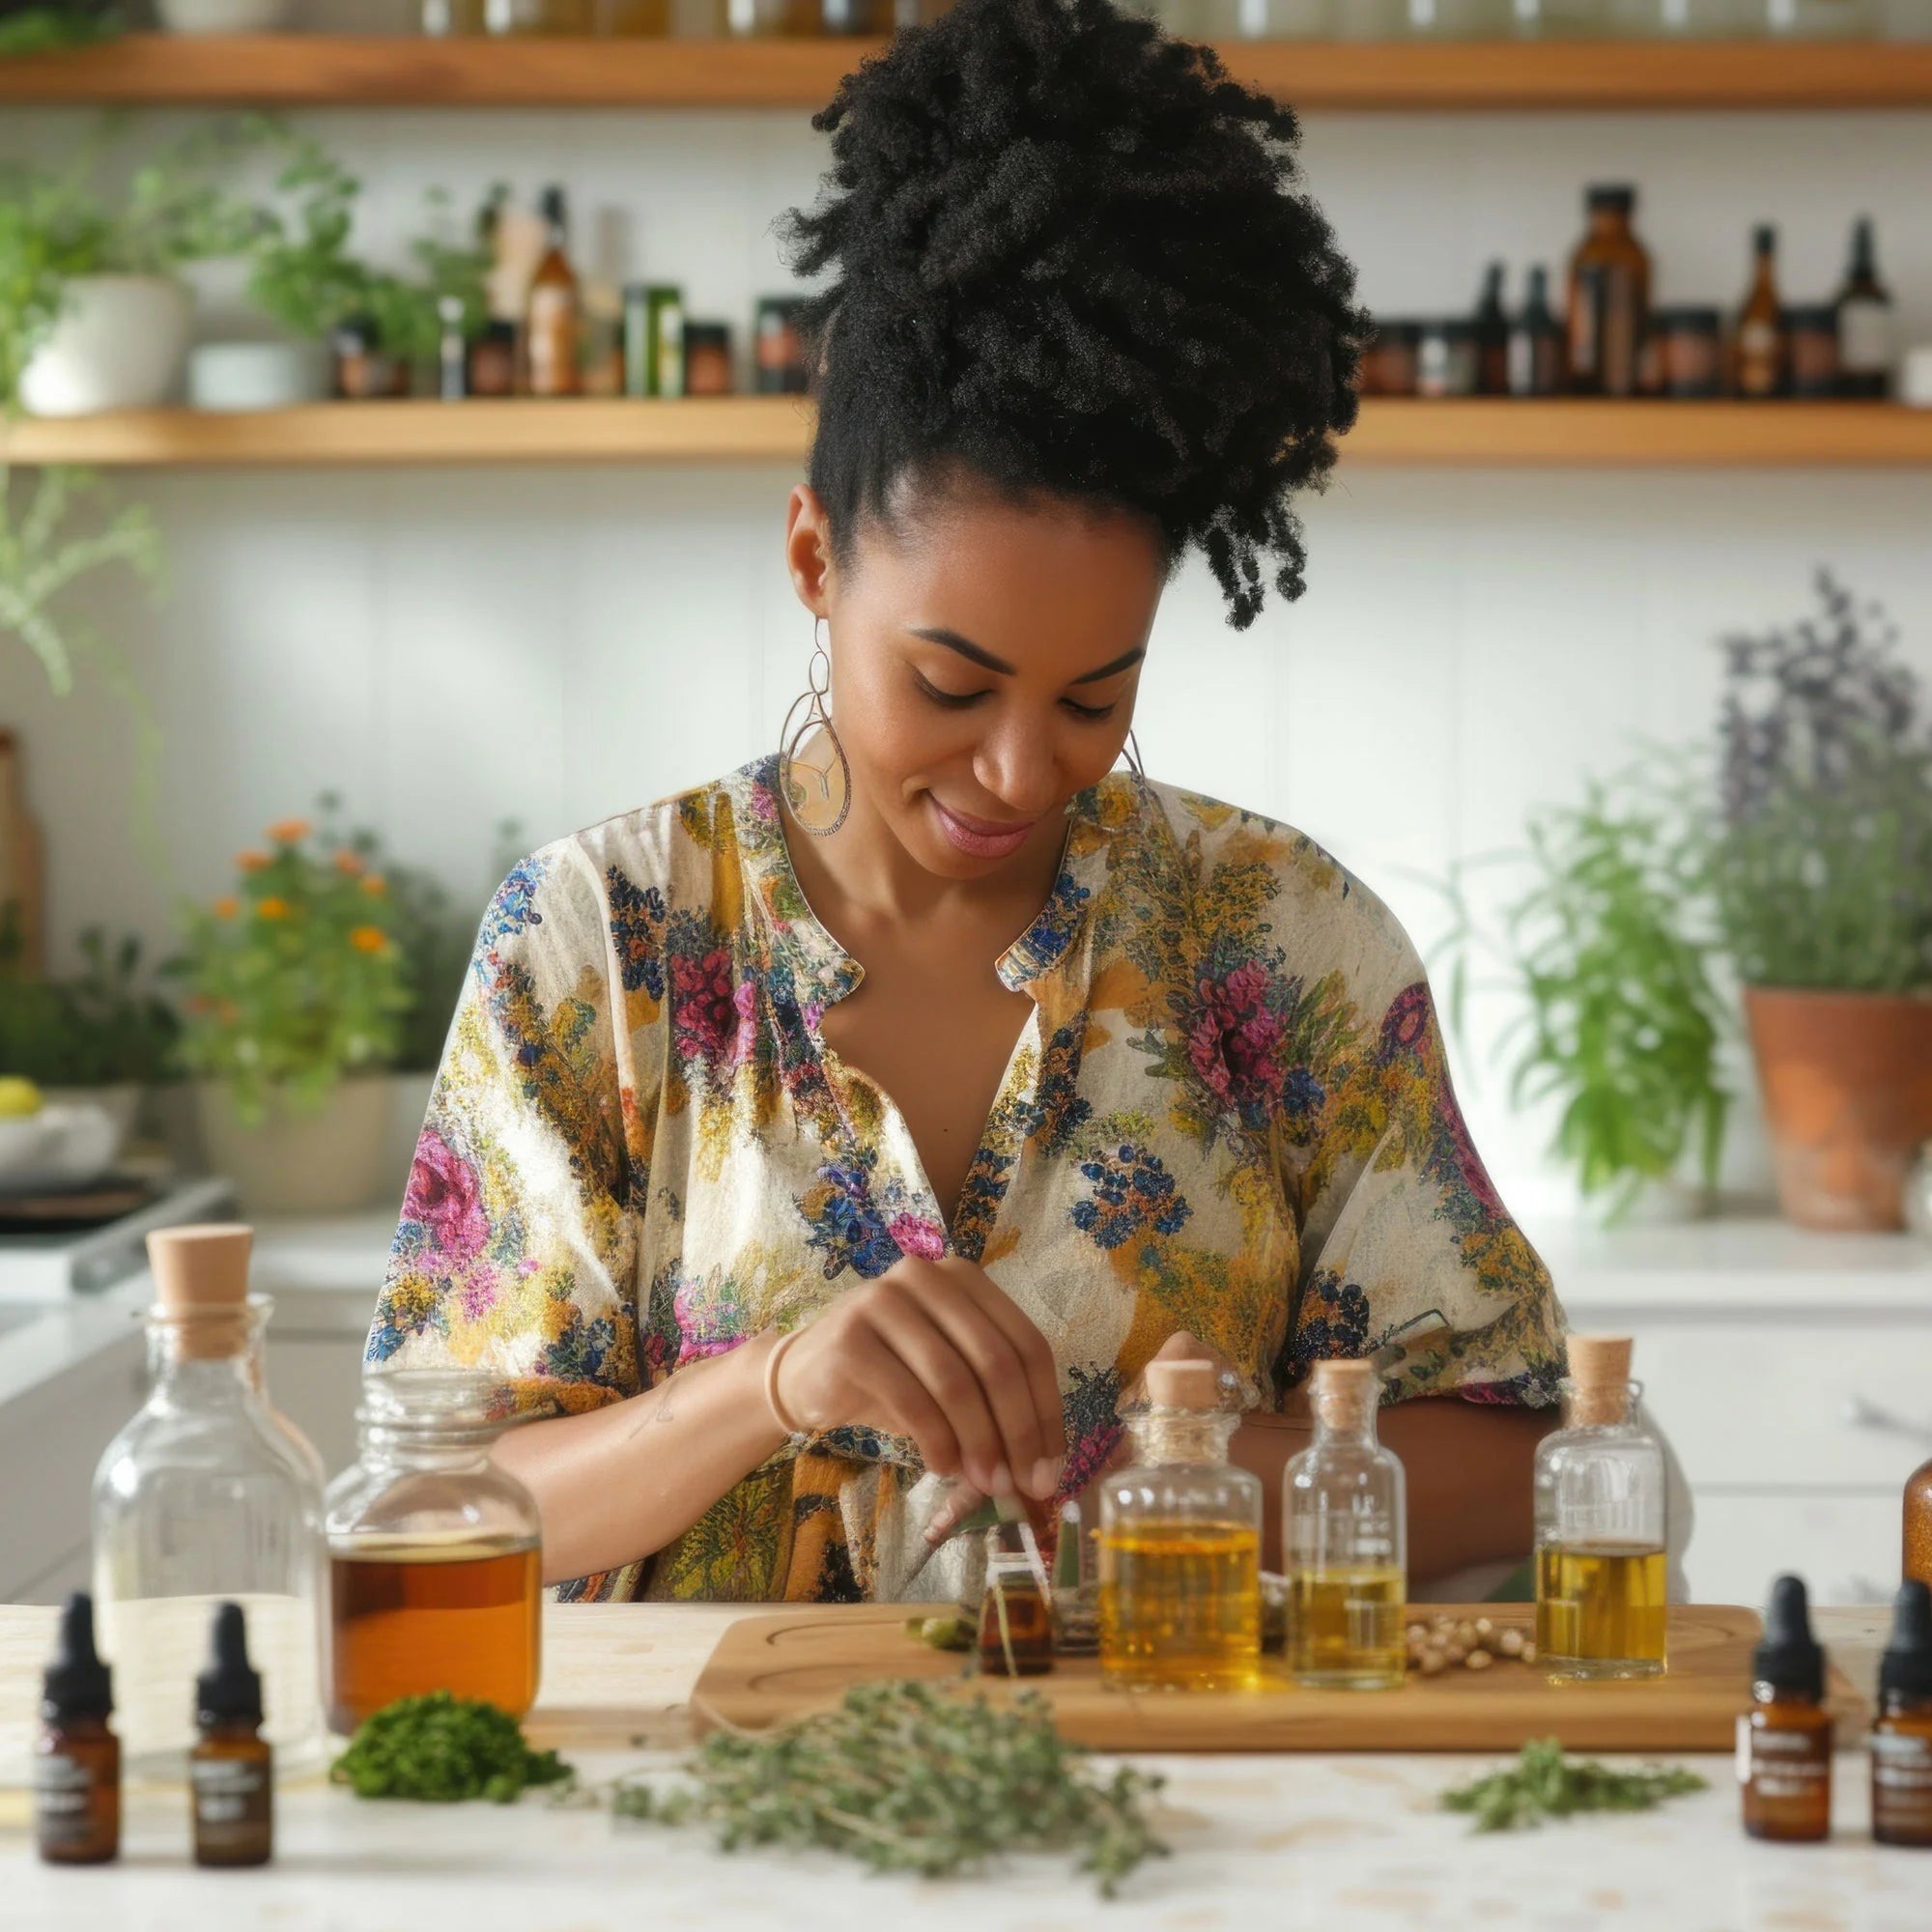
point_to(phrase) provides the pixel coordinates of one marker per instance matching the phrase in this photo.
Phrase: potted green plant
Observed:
(1623, 1022)
(1821, 871)
(92, 312)
(294, 994)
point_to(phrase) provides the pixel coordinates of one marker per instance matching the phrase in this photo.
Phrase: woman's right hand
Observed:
(937, 1351)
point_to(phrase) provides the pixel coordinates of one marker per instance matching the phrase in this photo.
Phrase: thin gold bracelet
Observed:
(792, 1431)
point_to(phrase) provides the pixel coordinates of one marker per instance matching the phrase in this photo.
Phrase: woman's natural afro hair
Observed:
(1071, 257)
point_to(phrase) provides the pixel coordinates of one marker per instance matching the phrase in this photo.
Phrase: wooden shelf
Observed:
(325, 71)
(774, 428)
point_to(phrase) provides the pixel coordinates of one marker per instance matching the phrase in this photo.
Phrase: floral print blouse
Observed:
(1229, 1113)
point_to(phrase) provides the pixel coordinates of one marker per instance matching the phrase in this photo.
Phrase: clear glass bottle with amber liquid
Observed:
(1902, 1736)
(1761, 348)
(434, 1565)
(1784, 1740)
(554, 310)
(1344, 1541)
(1601, 1567)
(1181, 1540)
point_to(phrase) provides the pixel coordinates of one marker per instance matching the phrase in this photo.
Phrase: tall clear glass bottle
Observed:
(1344, 1541)
(1181, 1540)
(1601, 1567)
(205, 1497)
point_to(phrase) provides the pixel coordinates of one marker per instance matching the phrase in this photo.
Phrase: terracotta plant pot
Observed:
(1847, 1084)
(326, 1162)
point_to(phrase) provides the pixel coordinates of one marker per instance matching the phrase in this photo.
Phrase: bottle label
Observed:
(61, 1786)
(226, 1790)
(552, 341)
(1781, 1764)
(1864, 338)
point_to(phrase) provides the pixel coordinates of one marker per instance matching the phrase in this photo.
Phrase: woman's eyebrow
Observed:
(968, 650)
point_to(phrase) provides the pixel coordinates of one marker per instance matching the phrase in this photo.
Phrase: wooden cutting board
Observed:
(768, 1670)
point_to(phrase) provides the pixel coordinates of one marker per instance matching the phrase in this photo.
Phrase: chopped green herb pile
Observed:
(943, 1633)
(904, 1778)
(1543, 1784)
(442, 1748)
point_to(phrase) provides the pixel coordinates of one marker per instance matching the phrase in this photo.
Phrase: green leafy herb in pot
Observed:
(1541, 1783)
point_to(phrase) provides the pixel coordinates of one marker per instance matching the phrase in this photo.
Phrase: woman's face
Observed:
(985, 659)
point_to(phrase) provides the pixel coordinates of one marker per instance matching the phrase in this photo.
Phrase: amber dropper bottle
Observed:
(1784, 1740)
(77, 1759)
(231, 1768)
(1901, 1739)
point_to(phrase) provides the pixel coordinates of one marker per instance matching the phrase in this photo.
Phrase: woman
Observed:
(873, 1115)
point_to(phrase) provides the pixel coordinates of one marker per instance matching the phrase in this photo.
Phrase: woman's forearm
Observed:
(1467, 1468)
(621, 1482)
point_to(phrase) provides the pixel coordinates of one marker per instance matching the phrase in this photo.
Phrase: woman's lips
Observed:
(983, 838)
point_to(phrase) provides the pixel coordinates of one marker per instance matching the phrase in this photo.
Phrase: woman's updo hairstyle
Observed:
(1072, 256)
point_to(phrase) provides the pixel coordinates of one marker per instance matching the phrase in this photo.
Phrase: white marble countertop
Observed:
(1280, 1844)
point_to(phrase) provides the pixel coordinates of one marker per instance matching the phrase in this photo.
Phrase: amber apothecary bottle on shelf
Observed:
(1344, 1540)
(1784, 1740)
(708, 369)
(1919, 1523)
(1601, 1567)
(1536, 342)
(434, 1554)
(1761, 354)
(1609, 298)
(553, 317)
(1901, 1739)
(76, 1768)
(1492, 331)
(231, 1767)
(1687, 351)
(1181, 1536)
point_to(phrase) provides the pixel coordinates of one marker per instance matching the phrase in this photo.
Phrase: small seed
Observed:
(1529, 1653)
(1479, 1660)
(1416, 1632)
(1465, 1635)
(1433, 1664)
(1455, 1653)
(1484, 1626)
(1510, 1642)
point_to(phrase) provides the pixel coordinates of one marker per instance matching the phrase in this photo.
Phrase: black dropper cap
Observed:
(1789, 1658)
(551, 207)
(1764, 239)
(76, 1683)
(1613, 197)
(229, 1692)
(1906, 1669)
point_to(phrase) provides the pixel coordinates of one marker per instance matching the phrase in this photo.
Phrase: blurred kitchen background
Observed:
(1513, 598)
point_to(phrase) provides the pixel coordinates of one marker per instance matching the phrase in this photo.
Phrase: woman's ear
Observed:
(807, 548)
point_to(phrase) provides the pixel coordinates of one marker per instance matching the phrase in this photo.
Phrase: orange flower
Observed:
(252, 862)
(289, 831)
(349, 865)
(368, 939)
(274, 908)
(226, 907)
(199, 1003)
(375, 885)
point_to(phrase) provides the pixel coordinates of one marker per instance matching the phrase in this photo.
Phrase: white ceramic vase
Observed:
(222, 17)
(119, 344)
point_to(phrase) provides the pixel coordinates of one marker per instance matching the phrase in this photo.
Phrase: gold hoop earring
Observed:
(814, 775)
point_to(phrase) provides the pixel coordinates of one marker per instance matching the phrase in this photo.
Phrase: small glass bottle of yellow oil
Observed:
(1599, 1530)
(1344, 1530)
(1181, 1540)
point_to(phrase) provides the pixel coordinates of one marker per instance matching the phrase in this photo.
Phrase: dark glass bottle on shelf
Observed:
(1536, 342)
(1784, 1741)
(1761, 349)
(1866, 321)
(552, 313)
(1492, 335)
(1609, 298)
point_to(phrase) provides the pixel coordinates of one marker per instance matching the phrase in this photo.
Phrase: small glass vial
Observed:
(1784, 1740)
(206, 1495)
(1076, 1587)
(1901, 1739)
(77, 1757)
(434, 1565)
(1344, 1541)
(1181, 1540)
(231, 1768)
(1601, 1567)
(1016, 1621)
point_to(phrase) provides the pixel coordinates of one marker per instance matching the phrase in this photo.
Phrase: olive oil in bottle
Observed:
(1600, 1531)
(1181, 1540)
(1344, 1541)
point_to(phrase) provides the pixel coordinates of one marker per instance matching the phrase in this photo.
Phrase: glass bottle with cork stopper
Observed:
(1784, 1740)
(231, 1768)
(1901, 1737)
(1180, 1534)
(1601, 1571)
(434, 1565)
(77, 1757)
(1344, 1541)
(206, 1495)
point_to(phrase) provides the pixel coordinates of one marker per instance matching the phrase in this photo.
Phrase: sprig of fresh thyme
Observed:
(444, 1749)
(1541, 1783)
(904, 1778)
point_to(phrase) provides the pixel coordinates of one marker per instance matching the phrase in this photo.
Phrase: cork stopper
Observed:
(1600, 1369)
(1343, 1394)
(1184, 1384)
(201, 1282)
